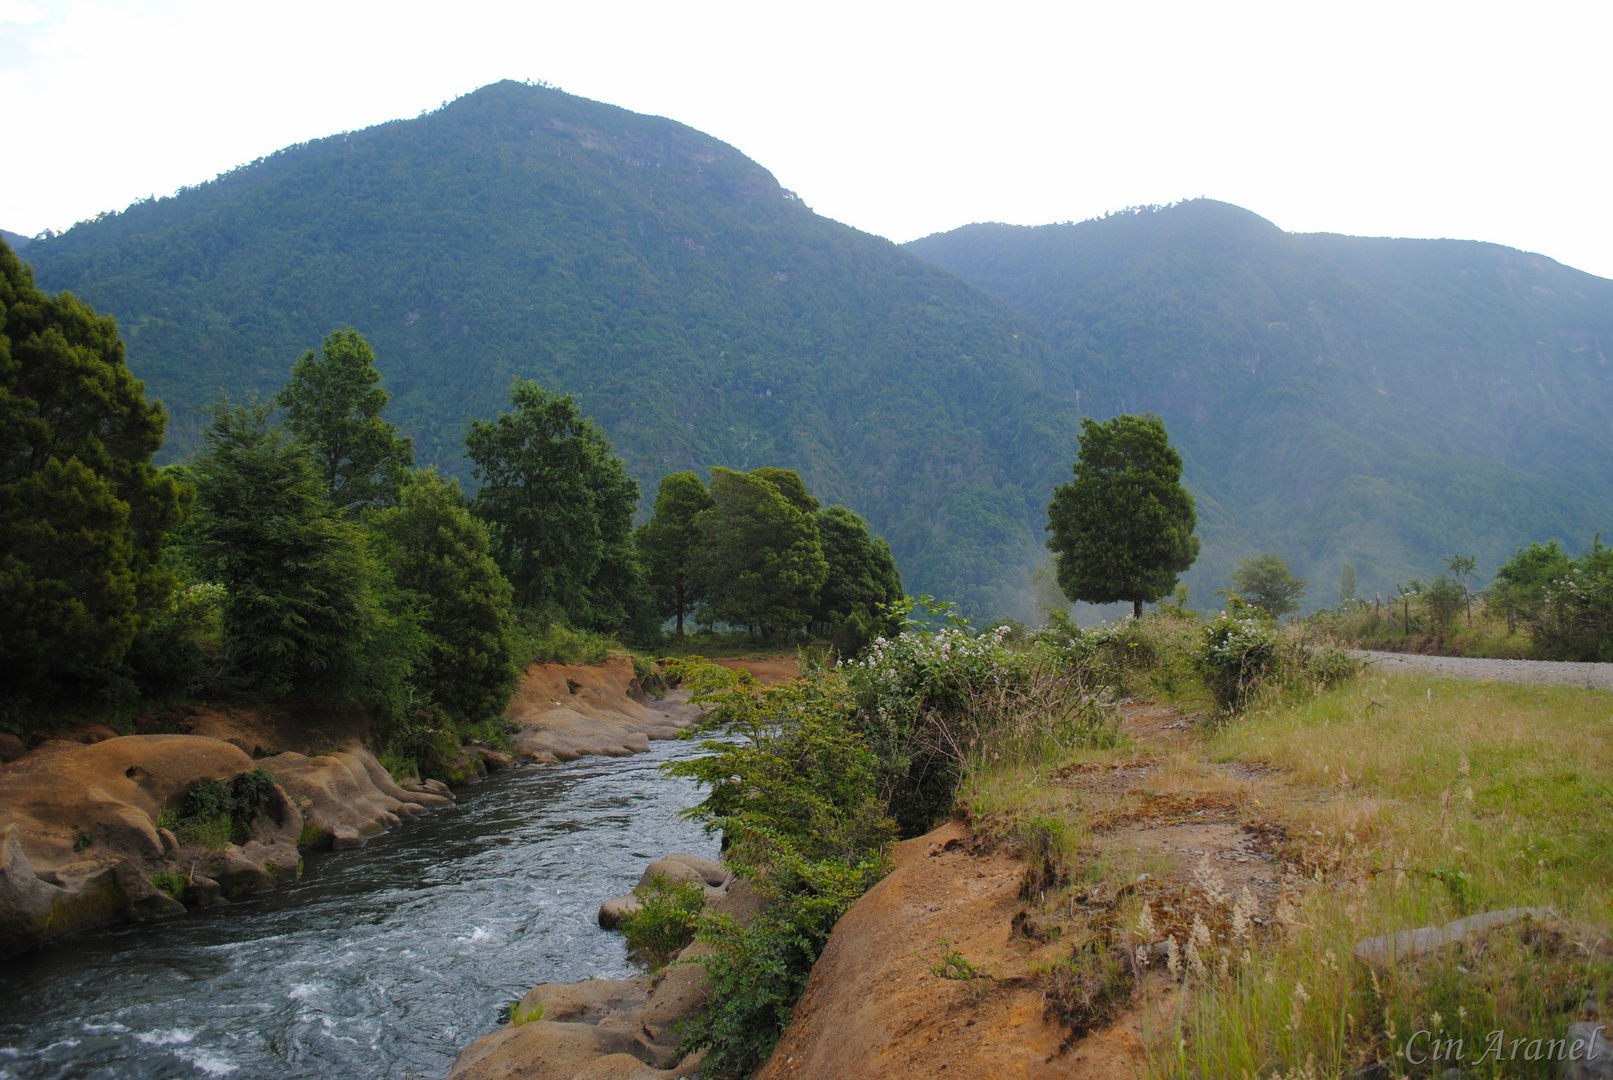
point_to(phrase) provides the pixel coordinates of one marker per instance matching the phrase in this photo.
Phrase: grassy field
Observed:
(1380, 804)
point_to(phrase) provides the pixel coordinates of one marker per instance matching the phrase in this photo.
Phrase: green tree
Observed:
(333, 404)
(303, 614)
(761, 560)
(1123, 527)
(559, 505)
(1265, 582)
(438, 551)
(862, 586)
(83, 513)
(1346, 583)
(790, 485)
(669, 542)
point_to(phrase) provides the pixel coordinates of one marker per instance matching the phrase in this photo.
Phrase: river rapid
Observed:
(381, 962)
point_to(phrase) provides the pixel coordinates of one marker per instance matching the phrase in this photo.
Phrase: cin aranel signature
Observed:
(1583, 1042)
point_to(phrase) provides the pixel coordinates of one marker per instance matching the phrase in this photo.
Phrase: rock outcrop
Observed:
(610, 1029)
(568, 711)
(81, 841)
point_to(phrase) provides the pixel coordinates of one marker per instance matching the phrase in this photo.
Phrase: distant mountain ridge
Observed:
(703, 314)
(1384, 401)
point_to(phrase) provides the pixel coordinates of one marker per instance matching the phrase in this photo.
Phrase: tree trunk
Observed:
(1136, 609)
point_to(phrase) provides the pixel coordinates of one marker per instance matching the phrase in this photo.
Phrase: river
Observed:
(382, 962)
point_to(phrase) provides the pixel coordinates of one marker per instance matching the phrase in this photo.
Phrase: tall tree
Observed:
(333, 404)
(862, 582)
(82, 511)
(668, 543)
(438, 552)
(1265, 582)
(559, 505)
(1123, 527)
(300, 612)
(761, 560)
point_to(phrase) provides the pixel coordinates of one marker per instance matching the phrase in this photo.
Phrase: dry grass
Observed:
(1395, 803)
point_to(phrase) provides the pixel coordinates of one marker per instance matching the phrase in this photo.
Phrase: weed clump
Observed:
(218, 812)
(1090, 988)
(665, 922)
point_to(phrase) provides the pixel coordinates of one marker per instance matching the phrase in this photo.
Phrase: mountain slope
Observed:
(1383, 401)
(700, 312)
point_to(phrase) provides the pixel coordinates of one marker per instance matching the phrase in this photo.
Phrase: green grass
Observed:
(1412, 802)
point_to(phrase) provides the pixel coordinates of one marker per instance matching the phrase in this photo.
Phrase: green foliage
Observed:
(797, 798)
(1346, 583)
(701, 312)
(1265, 583)
(560, 508)
(170, 882)
(1574, 620)
(438, 553)
(546, 638)
(1521, 583)
(668, 544)
(82, 510)
(1242, 654)
(83, 840)
(1444, 600)
(1239, 652)
(760, 559)
(665, 921)
(1123, 527)
(757, 971)
(217, 812)
(862, 588)
(333, 405)
(308, 611)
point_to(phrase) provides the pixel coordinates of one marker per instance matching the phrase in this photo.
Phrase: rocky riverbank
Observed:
(82, 836)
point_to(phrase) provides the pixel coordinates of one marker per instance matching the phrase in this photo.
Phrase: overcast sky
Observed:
(1471, 120)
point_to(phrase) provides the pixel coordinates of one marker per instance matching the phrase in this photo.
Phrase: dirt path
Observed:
(1561, 673)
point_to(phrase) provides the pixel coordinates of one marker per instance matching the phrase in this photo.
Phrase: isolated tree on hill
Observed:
(559, 506)
(669, 542)
(861, 585)
(760, 558)
(1264, 582)
(83, 513)
(1123, 527)
(299, 609)
(333, 404)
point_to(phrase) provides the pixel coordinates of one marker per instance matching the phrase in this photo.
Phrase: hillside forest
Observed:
(300, 553)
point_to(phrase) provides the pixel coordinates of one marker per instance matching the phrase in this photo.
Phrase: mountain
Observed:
(701, 312)
(1387, 402)
(16, 240)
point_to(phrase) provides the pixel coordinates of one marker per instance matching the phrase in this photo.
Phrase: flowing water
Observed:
(382, 962)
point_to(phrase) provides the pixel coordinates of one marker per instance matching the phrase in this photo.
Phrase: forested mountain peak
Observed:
(700, 312)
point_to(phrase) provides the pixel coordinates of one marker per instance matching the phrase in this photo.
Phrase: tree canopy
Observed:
(1265, 582)
(333, 404)
(669, 543)
(438, 552)
(862, 586)
(760, 559)
(559, 506)
(83, 513)
(1122, 529)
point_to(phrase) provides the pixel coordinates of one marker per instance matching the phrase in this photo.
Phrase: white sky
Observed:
(1472, 120)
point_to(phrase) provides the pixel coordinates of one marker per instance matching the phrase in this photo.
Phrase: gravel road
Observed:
(1562, 673)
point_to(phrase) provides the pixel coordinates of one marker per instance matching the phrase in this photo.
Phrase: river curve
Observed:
(382, 962)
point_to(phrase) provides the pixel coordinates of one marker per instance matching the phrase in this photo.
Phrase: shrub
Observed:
(1237, 655)
(664, 922)
(217, 812)
(756, 972)
(170, 882)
